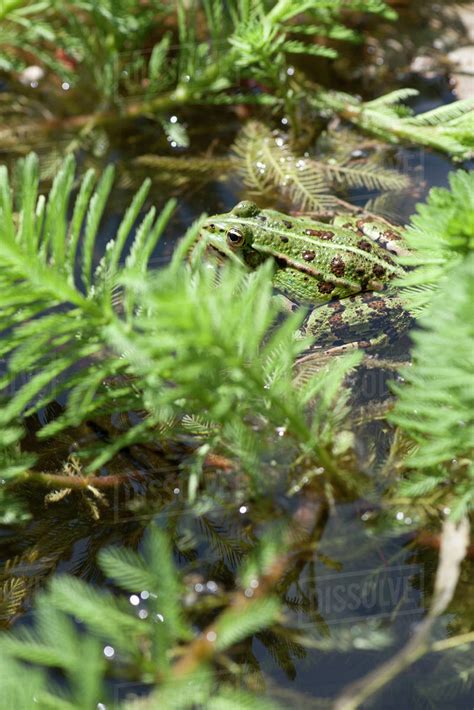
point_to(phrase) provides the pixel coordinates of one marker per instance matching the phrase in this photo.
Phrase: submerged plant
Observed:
(266, 162)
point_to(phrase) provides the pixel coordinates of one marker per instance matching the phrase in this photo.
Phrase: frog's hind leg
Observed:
(361, 321)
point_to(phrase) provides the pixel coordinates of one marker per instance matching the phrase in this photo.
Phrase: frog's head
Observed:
(233, 234)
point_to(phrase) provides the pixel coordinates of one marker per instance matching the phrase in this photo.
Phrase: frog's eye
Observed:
(235, 238)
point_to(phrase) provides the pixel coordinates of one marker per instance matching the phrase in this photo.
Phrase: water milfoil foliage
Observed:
(173, 344)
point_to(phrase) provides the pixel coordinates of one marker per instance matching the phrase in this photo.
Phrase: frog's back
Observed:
(316, 261)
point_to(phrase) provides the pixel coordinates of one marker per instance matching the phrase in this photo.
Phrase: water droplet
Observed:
(109, 651)
(199, 587)
(248, 593)
(65, 86)
(174, 119)
(254, 583)
(279, 141)
(284, 121)
(400, 515)
(143, 614)
(243, 509)
(144, 594)
(176, 491)
(211, 586)
(408, 521)
(134, 600)
(290, 71)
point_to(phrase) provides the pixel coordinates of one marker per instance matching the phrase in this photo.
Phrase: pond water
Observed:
(365, 584)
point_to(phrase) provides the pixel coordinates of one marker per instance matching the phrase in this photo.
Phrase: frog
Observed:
(341, 271)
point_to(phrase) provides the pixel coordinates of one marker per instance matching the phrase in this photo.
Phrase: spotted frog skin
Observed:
(343, 269)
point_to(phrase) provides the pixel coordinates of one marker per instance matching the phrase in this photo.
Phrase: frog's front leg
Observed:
(362, 321)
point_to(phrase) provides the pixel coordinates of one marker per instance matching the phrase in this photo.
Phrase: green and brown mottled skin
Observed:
(340, 268)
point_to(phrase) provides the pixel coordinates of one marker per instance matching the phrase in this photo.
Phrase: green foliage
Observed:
(440, 234)
(435, 404)
(267, 163)
(143, 640)
(216, 46)
(447, 128)
(175, 344)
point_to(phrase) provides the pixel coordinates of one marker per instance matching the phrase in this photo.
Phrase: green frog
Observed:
(342, 270)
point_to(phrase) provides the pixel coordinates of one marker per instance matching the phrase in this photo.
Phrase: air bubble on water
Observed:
(34, 84)
(65, 86)
(279, 141)
(143, 614)
(176, 491)
(134, 600)
(199, 587)
(400, 515)
(109, 651)
(144, 594)
(173, 144)
(290, 71)
(300, 164)
(284, 121)
(281, 430)
(211, 636)
(160, 617)
(243, 509)
(248, 593)
(408, 521)
(365, 516)
(212, 586)
(446, 510)
(174, 119)
(254, 583)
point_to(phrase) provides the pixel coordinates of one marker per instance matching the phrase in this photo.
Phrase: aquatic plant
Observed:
(435, 404)
(266, 162)
(115, 336)
(172, 344)
(151, 634)
(117, 58)
(448, 128)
